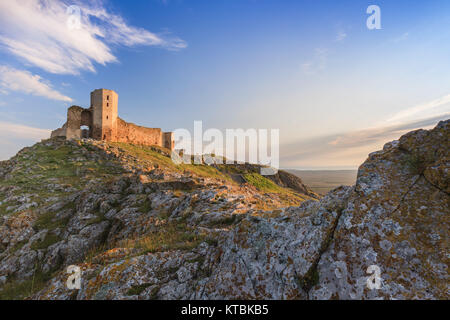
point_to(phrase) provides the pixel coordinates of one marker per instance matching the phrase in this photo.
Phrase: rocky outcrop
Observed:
(281, 178)
(140, 228)
(275, 257)
(396, 219)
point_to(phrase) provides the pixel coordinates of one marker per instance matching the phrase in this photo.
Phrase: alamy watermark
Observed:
(74, 280)
(374, 281)
(374, 20)
(235, 146)
(74, 17)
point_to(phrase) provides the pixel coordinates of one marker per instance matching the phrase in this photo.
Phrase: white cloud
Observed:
(13, 130)
(40, 32)
(23, 81)
(15, 136)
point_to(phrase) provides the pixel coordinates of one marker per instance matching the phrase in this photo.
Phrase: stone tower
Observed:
(104, 106)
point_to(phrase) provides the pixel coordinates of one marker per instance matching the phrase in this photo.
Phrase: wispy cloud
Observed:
(14, 136)
(23, 81)
(381, 134)
(434, 107)
(341, 35)
(38, 32)
(348, 149)
(317, 63)
(14, 130)
(403, 37)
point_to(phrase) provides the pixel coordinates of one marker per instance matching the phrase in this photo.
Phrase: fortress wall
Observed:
(131, 133)
(61, 132)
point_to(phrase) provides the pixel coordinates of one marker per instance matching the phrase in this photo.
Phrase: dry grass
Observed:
(172, 235)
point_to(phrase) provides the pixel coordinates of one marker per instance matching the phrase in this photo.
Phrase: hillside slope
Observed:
(62, 202)
(141, 228)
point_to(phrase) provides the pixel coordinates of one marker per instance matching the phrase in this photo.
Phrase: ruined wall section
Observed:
(168, 140)
(76, 117)
(131, 133)
(61, 132)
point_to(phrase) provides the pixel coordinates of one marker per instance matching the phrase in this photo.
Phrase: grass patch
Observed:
(154, 156)
(146, 153)
(212, 242)
(49, 221)
(137, 290)
(207, 172)
(18, 246)
(47, 242)
(171, 236)
(99, 217)
(96, 250)
(230, 169)
(43, 164)
(262, 184)
(146, 206)
(225, 222)
(3, 206)
(19, 290)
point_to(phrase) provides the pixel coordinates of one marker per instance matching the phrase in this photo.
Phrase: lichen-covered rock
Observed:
(397, 219)
(163, 275)
(262, 257)
(272, 258)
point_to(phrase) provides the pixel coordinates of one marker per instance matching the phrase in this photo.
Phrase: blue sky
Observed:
(334, 88)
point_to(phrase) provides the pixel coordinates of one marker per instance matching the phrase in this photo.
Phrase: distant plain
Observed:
(322, 181)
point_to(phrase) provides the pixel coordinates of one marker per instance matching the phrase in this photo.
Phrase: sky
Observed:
(335, 89)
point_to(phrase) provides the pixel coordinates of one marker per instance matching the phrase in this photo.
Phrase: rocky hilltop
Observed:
(140, 227)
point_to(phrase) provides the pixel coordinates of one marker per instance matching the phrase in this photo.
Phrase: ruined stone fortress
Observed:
(101, 122)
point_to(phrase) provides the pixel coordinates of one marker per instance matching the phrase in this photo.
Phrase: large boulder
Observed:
(398, 220)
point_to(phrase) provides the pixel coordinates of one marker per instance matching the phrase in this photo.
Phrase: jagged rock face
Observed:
(397, 219)
(260, 258)
(289, 180)
(275, 257)
(154, 233)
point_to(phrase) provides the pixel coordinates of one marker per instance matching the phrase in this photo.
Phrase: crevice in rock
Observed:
(311, 277)
(435, 186)
(249, 276)
(402, 199)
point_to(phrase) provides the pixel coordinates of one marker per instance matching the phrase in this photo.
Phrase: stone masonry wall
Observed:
(131, 133)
